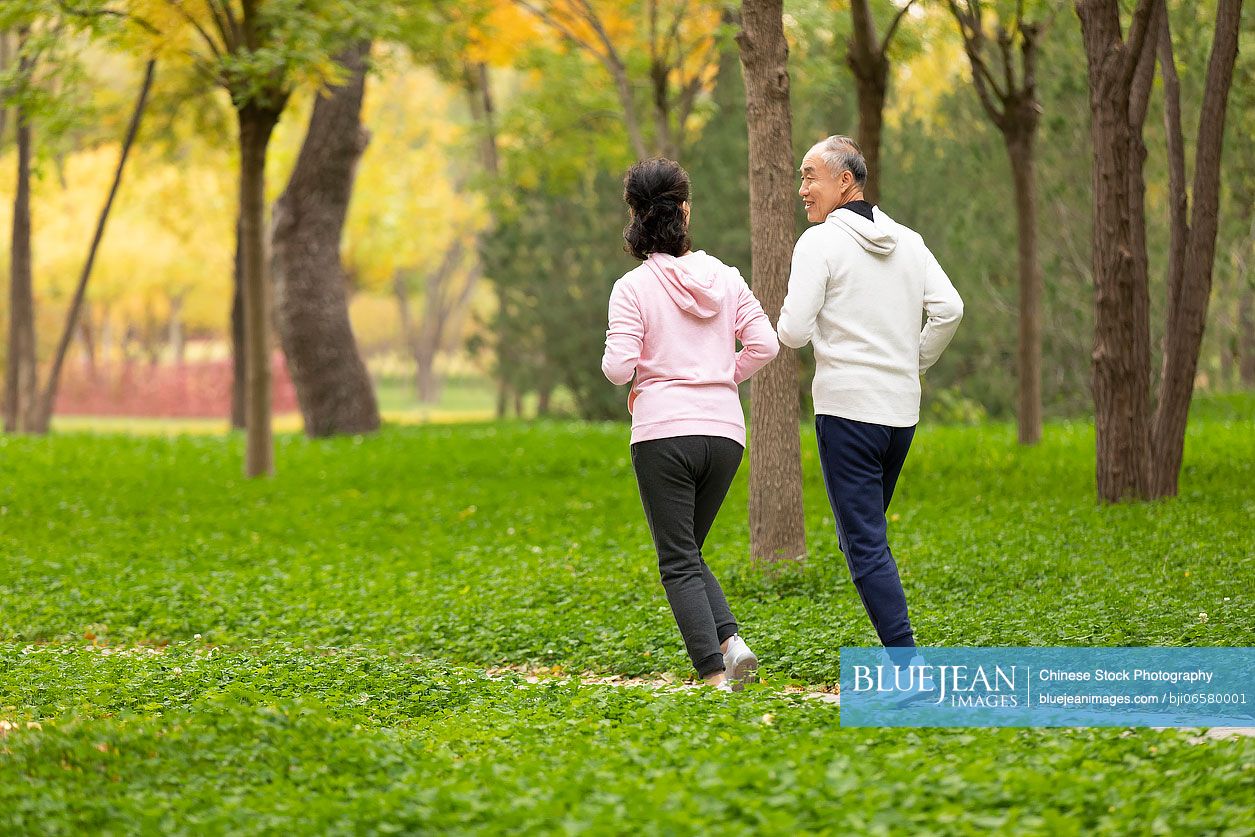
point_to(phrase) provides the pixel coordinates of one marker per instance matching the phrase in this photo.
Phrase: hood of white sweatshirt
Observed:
(692, 281)
(879, 236)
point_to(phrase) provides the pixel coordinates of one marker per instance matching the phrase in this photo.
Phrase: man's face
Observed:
(821, 190)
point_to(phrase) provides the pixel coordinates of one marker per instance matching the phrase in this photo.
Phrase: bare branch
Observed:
(561, 28)
(200, 30)
(130, 17)
(972, 31)
(674, 34)
(221, 11)
(893, 27)
(1008, 59)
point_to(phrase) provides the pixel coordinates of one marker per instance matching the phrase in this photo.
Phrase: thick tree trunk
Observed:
(777, 527)
(311, 310)
(43, 411)
(871, 108)
(239, 373)
(1121, 356)
(20, 378)
(256, 125)
(1028, 366)
(1187, 304)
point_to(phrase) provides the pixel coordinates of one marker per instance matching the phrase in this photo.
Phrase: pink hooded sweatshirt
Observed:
(674, 323)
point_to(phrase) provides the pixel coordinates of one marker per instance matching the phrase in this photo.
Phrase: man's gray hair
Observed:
(843, 154)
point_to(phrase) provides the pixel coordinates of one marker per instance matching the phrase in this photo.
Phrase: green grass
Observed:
(323, 637)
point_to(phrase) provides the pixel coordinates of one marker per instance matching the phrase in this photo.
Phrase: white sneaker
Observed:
(740, 665)
(922, 687)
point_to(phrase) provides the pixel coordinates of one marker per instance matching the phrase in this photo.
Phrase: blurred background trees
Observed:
(481, 232)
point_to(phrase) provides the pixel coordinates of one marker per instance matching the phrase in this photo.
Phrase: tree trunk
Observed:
(870, 66)
(777, 527)
(5, 57)
(311, 310)
(87, 336)
(871, 109)
(20, 378)
(1121, 356)
(426, 381)
(503, 399)
(175, 335)
(1028, 366)
(1187, 304)
(238, 372)
(483, 111)
(43, 411)
(256, 125)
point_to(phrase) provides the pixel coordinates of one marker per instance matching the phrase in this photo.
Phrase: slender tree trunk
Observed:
(1190, 287)
(1028, 366)
(256, 126)
(427, 382)
(43, 411)
(503, 396)
(311, 310)
(483, 111)
(87, 336)
(5, 57)
(1121, 356)
(777, 528)
(870, 66)
(20, 379)
(239, 373)
(107, 349)
(175, 335)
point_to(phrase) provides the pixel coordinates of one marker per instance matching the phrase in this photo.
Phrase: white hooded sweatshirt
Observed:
(858, 291)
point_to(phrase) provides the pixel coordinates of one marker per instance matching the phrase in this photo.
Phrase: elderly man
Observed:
(859, 287)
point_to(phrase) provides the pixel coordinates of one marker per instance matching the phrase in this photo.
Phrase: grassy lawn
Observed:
(183, 650)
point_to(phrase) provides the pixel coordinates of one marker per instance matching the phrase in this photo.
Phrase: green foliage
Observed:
(554, 262)
(204, 654)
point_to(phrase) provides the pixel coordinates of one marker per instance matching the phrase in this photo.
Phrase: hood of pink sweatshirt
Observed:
(691, 281)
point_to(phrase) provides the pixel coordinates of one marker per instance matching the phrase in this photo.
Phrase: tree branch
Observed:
(1143, 78)
(973, 36)
(76, 305)
(562, 29)
(200, 30)
(1143, 18)
(893, 27)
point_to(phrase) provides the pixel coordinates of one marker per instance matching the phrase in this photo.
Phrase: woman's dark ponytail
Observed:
(654, 190)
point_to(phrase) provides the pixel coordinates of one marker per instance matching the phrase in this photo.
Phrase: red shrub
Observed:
(199, 390)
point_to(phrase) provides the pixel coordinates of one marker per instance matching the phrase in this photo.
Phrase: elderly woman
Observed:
(674, 323)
